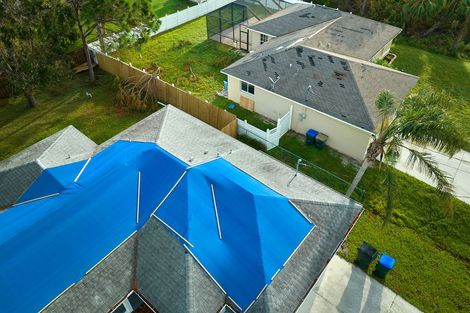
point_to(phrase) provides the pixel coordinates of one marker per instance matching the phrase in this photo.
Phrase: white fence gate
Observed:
(270, 138)
(169, 21)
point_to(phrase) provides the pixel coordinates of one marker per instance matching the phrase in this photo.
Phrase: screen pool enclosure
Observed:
(241, 232)
(229, 24)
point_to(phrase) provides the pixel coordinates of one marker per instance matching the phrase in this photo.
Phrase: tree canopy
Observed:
(34, 34)
(419, 120)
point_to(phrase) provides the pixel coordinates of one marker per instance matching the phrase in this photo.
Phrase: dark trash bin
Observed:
(366, 254)
(310, 136)
(385, 264)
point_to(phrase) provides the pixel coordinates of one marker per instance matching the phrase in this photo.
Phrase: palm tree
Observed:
(421, 120)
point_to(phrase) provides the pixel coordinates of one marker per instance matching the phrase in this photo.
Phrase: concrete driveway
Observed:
(457, 168)
(344, 288)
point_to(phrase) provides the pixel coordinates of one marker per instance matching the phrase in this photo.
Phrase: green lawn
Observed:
(443, 73)
(185, 57)
(62, 105)
(432, 249)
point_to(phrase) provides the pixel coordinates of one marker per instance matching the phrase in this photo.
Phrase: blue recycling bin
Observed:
(310, 136)
(385, 265)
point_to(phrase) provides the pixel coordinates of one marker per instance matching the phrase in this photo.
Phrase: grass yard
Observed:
(62, 105)
(185, 57)
(165, 7)
(432, 250)
(440, 72)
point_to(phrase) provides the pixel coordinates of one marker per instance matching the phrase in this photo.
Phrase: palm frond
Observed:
(427, 165)
(422, 120)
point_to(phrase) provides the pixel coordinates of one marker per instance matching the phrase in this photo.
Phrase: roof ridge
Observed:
(64, 130)
(353, 59)
(165, 116)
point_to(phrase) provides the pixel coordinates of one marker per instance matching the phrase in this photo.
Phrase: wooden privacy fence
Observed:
(169, 94)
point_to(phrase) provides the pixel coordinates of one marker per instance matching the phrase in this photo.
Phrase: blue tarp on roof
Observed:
(49, 244)
(260, 229)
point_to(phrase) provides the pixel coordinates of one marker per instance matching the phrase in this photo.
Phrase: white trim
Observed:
(125, 240)
(174, 231)
(216, 212)
(41, 165)
(143, 300)
(307, 107)
(226, 306)
(300, 244)
(207, 272)
(81, 171)
(138, 198)
(169, 193)
(301, 213)
(57, 297)
(36, 199)
(230, 298)
(249, 307)
(275, 274)
(259, 294)
(262, 33)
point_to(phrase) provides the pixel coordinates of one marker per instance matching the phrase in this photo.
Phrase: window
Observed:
(248, 88)
(264, 38)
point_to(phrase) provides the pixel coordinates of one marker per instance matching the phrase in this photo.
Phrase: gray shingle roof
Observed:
(292, 284)
(347, 34)
(354, 36)
(294, 18)
(18, 172)
(169, 277)
(338, 86)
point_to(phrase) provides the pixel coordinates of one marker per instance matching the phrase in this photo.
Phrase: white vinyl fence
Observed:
(168, 22)
(270, 138)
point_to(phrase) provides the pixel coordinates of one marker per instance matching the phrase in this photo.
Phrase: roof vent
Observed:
(320, 84)
(342, 85)
(299, 51)
(302, 64)
(248, 73)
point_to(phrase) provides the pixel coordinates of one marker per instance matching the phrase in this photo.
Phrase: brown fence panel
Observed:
(169, 94)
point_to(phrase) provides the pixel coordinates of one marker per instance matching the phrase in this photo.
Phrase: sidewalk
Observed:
(344, 288)
(458, 168)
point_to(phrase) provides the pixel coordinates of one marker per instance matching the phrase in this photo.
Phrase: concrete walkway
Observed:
(344, 288)
(457, 167)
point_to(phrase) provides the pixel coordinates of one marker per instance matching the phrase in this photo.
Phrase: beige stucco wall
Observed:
(383, 52)
(255, 40)
(343, 137)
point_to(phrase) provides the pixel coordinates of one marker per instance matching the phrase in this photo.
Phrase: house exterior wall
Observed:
(103, 287)
(383, 52)
(343, 137)
(255, 39)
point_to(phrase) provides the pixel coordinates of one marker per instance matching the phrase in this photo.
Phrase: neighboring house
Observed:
(330, 30)
(330, 93)
(176, 212)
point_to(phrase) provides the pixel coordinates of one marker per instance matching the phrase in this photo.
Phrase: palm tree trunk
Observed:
(365, 165)
(30, 98)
